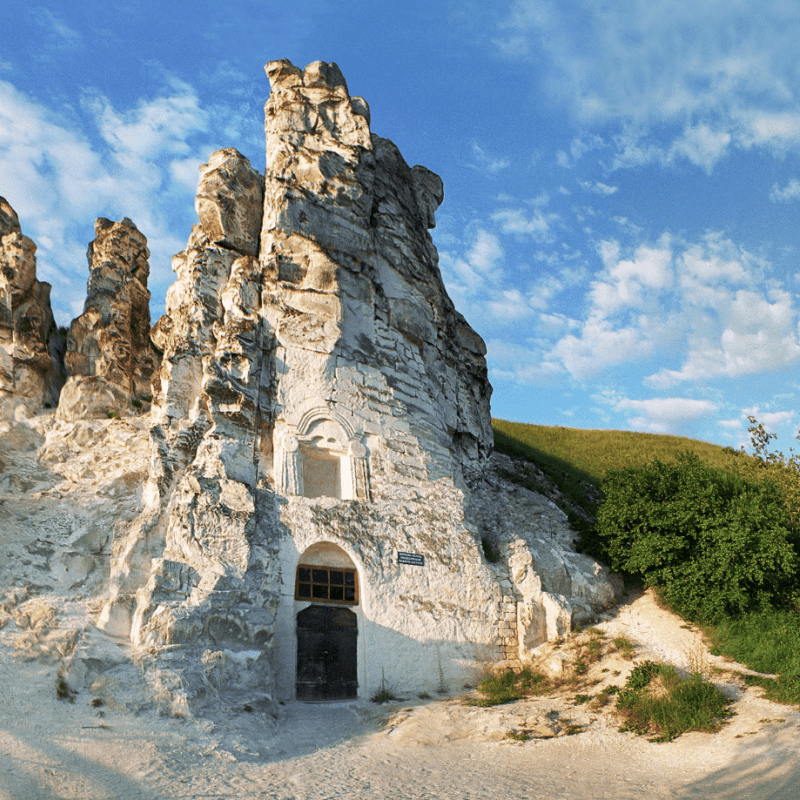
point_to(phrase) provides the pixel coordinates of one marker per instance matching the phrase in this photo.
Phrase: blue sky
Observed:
(622, 179)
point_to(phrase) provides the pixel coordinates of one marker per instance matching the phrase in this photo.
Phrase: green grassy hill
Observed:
(574, 461)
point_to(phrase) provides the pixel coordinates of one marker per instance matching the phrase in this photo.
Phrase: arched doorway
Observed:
(327, 630)
(326, 653)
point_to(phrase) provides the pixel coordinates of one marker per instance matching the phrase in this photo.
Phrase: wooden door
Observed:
(326, 653)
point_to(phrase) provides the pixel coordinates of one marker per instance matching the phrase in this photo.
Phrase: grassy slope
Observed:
(576, 460)
(593, 453)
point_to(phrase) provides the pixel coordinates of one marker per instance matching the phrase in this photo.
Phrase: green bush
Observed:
(717, 544)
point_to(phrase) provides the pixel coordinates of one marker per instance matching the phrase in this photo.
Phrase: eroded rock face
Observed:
(109, 360)
(320, 406)
(30, 346)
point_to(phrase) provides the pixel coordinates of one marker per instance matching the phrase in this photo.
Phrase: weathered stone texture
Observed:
(109, 360)
(30, 346)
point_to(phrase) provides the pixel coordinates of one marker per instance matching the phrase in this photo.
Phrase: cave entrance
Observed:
(326, 653)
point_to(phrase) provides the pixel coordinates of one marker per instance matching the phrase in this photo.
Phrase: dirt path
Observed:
(436, 748)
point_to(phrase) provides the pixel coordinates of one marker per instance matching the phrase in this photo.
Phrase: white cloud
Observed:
(769, 419)
(749, 334)
(61, 33)
(663, 414)
(702, 146)
(477, 272)
(786, 194)
(489, 163)
(59, 178)
(709, 304)
(732, 424)
(519, 363)
(536, 225)
(598, 188)
(701, 77)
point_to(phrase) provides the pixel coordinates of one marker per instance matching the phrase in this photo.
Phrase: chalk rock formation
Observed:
(109, 360)
(318, 409)
(29, 342)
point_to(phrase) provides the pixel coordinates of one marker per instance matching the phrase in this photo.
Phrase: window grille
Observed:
(326, 584)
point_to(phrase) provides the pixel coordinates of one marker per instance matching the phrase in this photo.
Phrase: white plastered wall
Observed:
(402, 649)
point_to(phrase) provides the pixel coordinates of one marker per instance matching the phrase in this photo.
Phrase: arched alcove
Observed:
(322, 459)
(326, 574)
(327, 630)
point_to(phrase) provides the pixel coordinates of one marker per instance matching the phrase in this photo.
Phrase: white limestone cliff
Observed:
(315, 477)
(320, 401)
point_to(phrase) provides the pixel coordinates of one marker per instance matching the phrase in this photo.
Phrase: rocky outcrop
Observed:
(321, 402)
(109, 360)
(30, 345)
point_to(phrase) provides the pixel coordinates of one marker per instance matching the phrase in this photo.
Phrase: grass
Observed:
(658, 703)
(624, 645)
(767, 641)
(573, 455)
(384, 696)
(508, 686)
(575, 461)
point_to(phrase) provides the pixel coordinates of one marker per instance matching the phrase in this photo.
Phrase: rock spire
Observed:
(30, 345)
(109, 360)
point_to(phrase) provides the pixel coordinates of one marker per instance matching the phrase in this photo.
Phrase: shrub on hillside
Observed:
(717, 544)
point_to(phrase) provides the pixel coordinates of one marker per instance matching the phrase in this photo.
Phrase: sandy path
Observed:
(433, 749)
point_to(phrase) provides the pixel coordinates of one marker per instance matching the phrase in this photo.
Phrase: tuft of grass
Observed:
(508, 686)
(384, 696)
(113, 415)
(574, 729)
(580, 699)
(625, 646)
(594, 648)
(63, 690)
(658, 703)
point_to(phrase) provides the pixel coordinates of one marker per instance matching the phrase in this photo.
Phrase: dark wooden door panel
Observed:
(326, 653)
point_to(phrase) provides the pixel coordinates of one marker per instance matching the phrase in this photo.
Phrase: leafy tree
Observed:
(717, 544)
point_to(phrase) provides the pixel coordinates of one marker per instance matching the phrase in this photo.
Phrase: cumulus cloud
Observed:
(771, 420)
(701, 146)
(663, 414)
(61, 35)
(537, 225)
(702, 78)
(596, 187)
(711, 304)
(477, 272)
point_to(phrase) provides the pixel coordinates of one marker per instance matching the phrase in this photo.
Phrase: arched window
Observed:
(326, 574)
